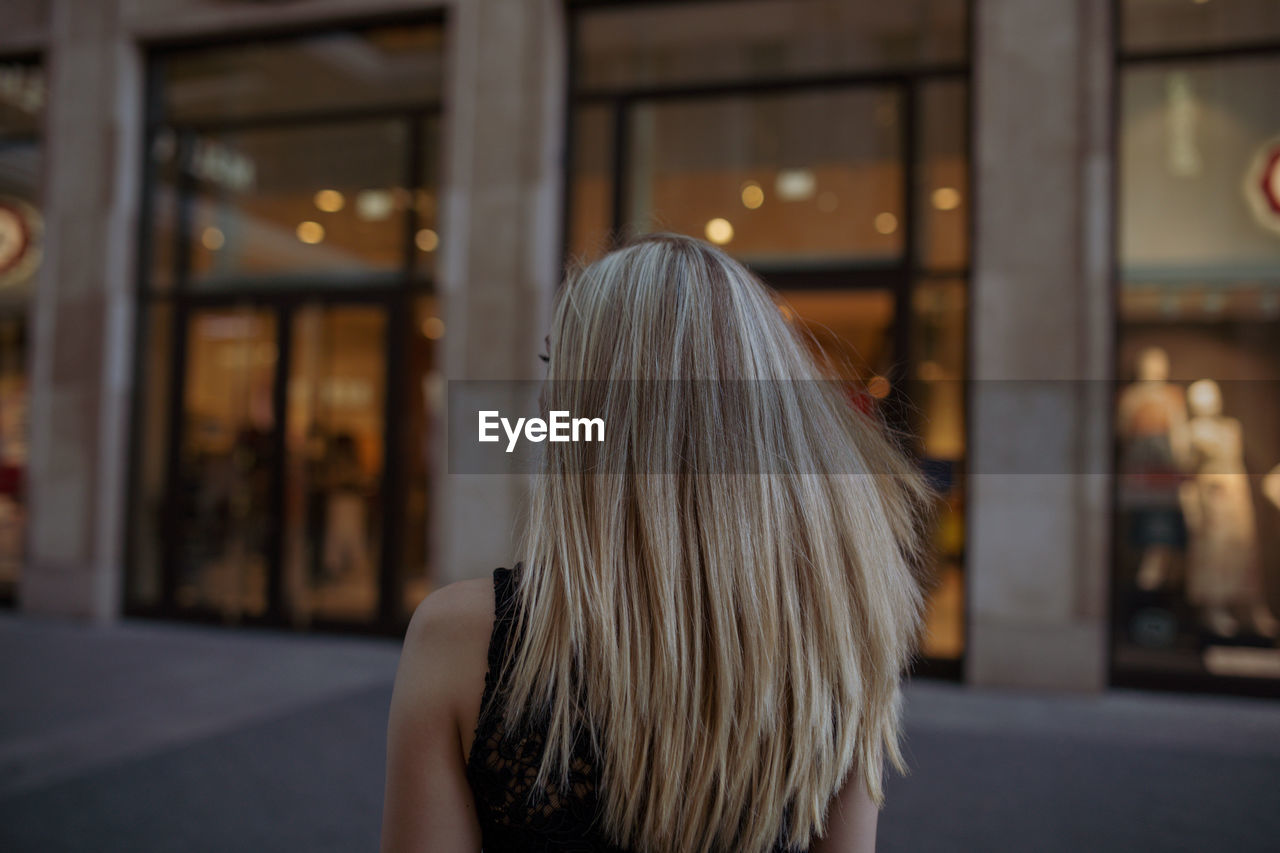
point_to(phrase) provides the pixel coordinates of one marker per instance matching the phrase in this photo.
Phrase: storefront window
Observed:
(825, 144)
(290, 231)
(22, 96)
(263, 219)
(748, 172)
(1197, 585)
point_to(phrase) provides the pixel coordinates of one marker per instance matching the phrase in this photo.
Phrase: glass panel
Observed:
(1197, 582)
(1194, 139)
(937, 396)
(149, 510)
(591, 202)
(426, 201)
(308, 206)
(1170, 24)
(779, 180)
(938, 359)
(943, 176)
(225, 480)
(672, 43)
(380, 67)
(335, 428)
(851, 330)
(423, 413)
(22, 97)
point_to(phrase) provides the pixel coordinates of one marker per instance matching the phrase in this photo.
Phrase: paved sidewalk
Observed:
(150, 737)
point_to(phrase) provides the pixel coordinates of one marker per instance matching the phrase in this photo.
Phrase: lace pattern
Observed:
(503, 765)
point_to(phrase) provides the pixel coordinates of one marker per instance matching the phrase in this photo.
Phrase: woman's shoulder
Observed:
(460, 606)
(446, 647)
(456, 618)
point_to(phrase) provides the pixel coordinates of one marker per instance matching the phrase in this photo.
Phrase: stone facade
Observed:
(1038, 552)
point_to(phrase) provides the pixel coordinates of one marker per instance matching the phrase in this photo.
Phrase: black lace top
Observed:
(501, 768)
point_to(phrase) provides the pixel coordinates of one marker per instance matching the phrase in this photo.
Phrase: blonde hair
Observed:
(724, 591)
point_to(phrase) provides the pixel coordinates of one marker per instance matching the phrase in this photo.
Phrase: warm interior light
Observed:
(310, 232)
(886, 223)
(374, 205)
(827, 201)
(878, 387)
(795, 184)
(752, 195)
(946, 198)
(426, 240)
(433, 328)
(330, 201)
(719, 231)
(213, 239)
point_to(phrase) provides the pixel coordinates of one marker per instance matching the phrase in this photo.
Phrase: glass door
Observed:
(221, 490)
(277, 500)
(335, 427)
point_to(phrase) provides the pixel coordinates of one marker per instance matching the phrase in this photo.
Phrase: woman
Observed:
(701, 646)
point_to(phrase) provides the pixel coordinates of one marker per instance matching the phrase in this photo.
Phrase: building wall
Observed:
(1038, 552)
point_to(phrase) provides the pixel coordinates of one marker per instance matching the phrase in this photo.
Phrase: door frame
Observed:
(284, 307)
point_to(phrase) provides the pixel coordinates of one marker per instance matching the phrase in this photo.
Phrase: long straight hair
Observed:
(724, 593)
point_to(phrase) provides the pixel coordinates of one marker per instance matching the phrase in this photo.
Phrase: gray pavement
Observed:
(156, 737)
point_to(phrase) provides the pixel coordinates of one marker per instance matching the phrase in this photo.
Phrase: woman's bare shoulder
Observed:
(454, 618)
(460, 606)
(446, 648)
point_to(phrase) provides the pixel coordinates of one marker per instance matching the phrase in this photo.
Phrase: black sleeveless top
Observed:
(502, 767)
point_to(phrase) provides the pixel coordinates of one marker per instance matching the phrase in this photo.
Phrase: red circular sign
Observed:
(1262, 185)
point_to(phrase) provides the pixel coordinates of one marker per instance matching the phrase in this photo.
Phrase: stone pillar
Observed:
(1039, 499)
(501, 240)
(82, 315)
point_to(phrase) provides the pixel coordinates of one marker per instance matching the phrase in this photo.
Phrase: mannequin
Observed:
(1223, 560)
(1152, 424)
(1271, 486)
